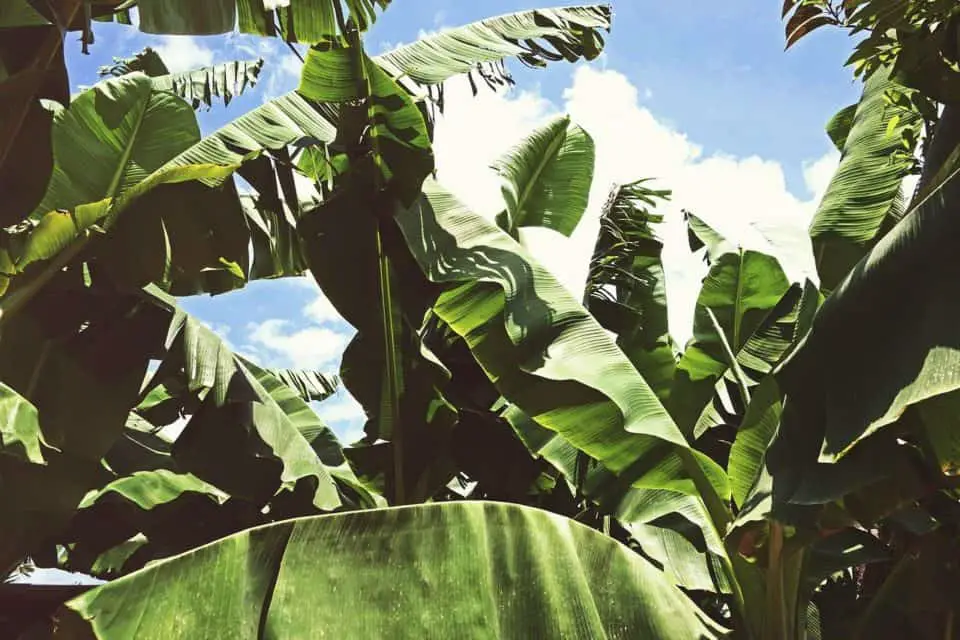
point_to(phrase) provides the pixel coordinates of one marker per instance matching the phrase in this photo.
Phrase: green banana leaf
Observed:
(197, 86)
(843, 387)
(29, 70)
(79, 357)
(547, 178)
(780, 332)
(123, 128)
(20, 434)
(535, 37)
(200, 86)
(626, 287)
(311, 386)
(673, 528)
(464, 570)
(740, 290)
(545, 353)
(300, 21)
(753, 438)
(111, 148)
(247, 432)
(866, 186)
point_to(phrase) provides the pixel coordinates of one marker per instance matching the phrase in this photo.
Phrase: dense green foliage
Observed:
(789, 473)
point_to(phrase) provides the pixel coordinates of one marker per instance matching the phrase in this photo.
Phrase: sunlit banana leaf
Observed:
(111, 148)
(544, 352)
(867, 184)
(538, 576)
(547, 178)
(111, 138)
(842, 385)
(298, 21)
(674, 528)
(740, 290)
(780, 332)
(534, 37)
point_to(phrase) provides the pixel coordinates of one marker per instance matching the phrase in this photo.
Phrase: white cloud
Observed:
(317, 348)
(817, 174)
(183, 53)
(745, 198)
(322, 311)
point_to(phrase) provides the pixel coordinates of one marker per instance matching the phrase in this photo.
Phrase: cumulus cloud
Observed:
(746, 198)
(317, 348)
(183, 53)
(322, 311)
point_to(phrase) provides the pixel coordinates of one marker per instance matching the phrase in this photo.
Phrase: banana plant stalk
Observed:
(394, 381)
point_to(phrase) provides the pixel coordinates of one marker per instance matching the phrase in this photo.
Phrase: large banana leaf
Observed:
(671, 527)
(867, 184)
(112, 147)
(535, 37)
(626, 287)
(111, 138)
(544, 352)
(31, 67)
(738, 293)
(547, 178)
(886, 339)
(458, 570)
(191, 238)
(297, 21)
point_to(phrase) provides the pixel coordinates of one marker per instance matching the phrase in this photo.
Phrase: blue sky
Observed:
(696, 93)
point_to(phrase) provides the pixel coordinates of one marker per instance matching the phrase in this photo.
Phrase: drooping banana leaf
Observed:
(197, 86)
(534, 37)
(538, 576)
(246, 436)
(626, 287)
(544, 352)
(866, 186)
(547, 178)
(298, 21)
(260, 417)
(311, 386)
(200, 86)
